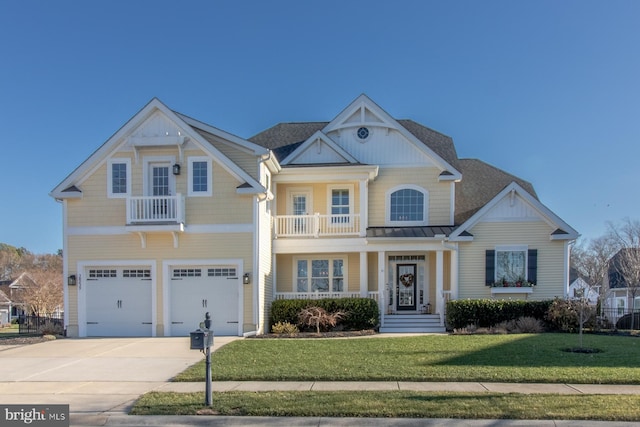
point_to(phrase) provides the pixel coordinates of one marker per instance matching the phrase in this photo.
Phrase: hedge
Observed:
(487, 312)
(362, 313)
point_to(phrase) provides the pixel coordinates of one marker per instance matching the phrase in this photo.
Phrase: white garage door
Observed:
(198, 290)
(118, 302)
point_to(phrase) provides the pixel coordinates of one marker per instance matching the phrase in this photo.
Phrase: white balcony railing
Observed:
(155, 210)
(317, 225)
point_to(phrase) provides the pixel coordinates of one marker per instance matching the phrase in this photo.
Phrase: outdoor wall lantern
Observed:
(246, 279)
(176, 169)
(71, 281)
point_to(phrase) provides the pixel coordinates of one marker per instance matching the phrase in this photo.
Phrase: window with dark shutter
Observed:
(532, 266)
(490, 267)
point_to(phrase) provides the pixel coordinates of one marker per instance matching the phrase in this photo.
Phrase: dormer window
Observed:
(407, 205)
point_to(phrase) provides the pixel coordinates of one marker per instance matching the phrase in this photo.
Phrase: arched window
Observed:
(407, 205)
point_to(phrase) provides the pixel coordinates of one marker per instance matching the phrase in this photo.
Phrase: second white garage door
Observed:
(195, 291)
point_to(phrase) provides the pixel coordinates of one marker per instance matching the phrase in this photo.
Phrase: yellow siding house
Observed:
(172, 218)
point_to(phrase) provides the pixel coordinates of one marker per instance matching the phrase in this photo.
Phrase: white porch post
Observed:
(440, 285)
(382, 295)
(364, 207)
(454, 274)
(364, 275)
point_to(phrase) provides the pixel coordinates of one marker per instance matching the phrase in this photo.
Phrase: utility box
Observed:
(201, 340)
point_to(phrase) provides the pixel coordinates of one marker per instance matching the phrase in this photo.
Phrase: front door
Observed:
(406, 287)
(161, 185)
(299, 202)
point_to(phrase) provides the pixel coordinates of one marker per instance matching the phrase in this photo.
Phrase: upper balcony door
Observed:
(161, 181)
(299, 205)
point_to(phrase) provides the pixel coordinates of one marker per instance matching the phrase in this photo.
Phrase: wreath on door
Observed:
(406, 280)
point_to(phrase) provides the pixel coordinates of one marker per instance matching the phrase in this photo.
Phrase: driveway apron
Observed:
(93, 374)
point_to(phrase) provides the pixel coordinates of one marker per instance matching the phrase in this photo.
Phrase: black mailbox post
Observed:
(202, 339)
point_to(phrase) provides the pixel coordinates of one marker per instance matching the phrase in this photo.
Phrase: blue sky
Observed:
(546, 90)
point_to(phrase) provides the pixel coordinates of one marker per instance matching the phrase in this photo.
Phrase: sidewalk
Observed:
(119, 417)
(475, 387)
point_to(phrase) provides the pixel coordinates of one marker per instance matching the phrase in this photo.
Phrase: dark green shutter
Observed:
(490, 267)
(532, 265)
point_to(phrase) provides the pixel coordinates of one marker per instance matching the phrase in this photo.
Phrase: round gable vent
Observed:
(363, 133)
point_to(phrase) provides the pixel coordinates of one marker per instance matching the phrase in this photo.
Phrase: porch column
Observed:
(382, 295)
(440, 285)
(364, 207)
(454, 274)
(364, 275)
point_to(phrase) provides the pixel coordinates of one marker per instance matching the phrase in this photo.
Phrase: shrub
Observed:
(486, 313)
(528, 325)
(319, 318)
(361, 313)
(50, 328)
(564, 315)
(284, 328)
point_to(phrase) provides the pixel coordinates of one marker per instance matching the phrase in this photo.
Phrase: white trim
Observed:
(81, 267)
(166, 283)
(425, 206)
(110, 163)
(190, 229)
(190, 191)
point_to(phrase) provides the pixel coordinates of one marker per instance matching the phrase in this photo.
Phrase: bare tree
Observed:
(43, 295)
(591, 261)
(627, 261)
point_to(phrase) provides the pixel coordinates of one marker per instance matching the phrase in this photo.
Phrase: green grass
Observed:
(497, 358)
(397, 404)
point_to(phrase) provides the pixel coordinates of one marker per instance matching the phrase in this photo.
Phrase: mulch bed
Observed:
(24, 340)
(340, 334)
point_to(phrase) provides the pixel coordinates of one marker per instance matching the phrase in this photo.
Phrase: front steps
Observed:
(417, 323)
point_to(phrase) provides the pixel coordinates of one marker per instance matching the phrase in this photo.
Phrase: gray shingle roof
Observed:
(480, 183)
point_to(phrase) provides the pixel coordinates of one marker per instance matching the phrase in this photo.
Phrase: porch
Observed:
(390, 321)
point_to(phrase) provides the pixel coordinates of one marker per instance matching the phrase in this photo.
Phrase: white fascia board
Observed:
(326, 174)
(390, 122)
(248, 146)
(318, 135)
(547, 215)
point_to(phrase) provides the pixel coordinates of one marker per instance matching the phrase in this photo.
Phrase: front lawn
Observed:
(496, 358)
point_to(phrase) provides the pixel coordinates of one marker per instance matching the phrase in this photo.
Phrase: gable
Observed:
(157, 126)
(318, 149)
(513, 204)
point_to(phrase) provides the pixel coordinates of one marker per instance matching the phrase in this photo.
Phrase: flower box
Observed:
(512, 290)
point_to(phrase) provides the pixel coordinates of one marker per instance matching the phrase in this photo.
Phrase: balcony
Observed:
(155, 210)
(317, 225)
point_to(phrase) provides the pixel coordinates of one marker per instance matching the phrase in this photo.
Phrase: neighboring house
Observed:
(171, 218)
(13, 289)
(579, 288)
(620, 298)
(5, 308)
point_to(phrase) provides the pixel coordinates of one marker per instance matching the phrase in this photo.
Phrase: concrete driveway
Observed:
(93, 375)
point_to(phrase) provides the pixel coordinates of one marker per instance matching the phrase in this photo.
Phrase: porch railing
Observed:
(317, 225)
(320, 295)
(155, 209)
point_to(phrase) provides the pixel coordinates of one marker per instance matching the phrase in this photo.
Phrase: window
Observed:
(511, 264)
(621, 305)
(407, 206)
(200, 176)
(118, 181)
(340, 204)
(320, 275)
